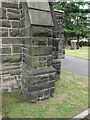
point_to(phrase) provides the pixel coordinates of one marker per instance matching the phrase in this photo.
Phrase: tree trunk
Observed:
(77, 44)
(66, 39)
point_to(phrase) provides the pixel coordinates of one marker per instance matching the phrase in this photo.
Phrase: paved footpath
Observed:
(76, 65)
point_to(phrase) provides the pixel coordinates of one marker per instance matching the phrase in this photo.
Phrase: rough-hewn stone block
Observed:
(41, 79)
(40, 31)
(13, 11)
(41, 41)
(22, 22)
(15, 24)
(39, 71)
(4, 72)
(2, 13)
(4, 34)
(35, 62)
(9, 5)
(52, 90)
(41, 50)
(42, 58)
(15, 72)
(13, 16)
(49, 60)
(46, 93)
(46, 85)
(6, 50)
(42, 64)
(15, 32)
(50, 40)
(10, 66)
(26, 41)
(27, 60)
(52, 77)
(5, 78)
(17, 49)
(5, 23)
(11, 58)
(11, 41)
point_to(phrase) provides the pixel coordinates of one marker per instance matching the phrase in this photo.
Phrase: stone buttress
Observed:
(30, 49)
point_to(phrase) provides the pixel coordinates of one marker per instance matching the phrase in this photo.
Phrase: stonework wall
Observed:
(38, 75)
(11, 45)
(30, 50)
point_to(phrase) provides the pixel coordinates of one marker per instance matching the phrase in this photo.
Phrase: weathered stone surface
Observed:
(10, 66)
(6, 50)
(56, 42)
(46, 85)
(22, 22)
(39, 71)
(4, 72)
(56, 64)
(26, 41)
(40, 95)
(5, 78)
(40, 31)
(2, 13)
(9, 5)
(23, 32)
(15, 32)
(17, 49)
(33, 97)
(27, 60)
(41, 79)
(52, 77)
(35, 62)
(29, 49)
(15, 72)
(39, 41)
(41, 86)
(42, 17)
(5, 23)
(46, 93)
(42, 64)
(41, 50)
(4, 34)
(52, 90)
(11, 41)
(49, 60)
(50, 40)
(11, 58)
(42, 58)
(13, 11)
(39, 5)
(13, 16)
(15, 24)
(3, 29)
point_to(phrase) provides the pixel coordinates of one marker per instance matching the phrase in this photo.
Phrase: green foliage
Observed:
(75, 19)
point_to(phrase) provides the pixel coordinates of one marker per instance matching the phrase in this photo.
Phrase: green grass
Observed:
(80, 53)
(70, 99)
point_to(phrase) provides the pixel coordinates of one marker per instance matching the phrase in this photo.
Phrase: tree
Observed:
(75, 19)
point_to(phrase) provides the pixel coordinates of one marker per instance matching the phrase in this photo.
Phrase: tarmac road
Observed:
(76, 65)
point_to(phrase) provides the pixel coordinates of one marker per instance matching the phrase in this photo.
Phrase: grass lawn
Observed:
(70, 99)
(81, 53)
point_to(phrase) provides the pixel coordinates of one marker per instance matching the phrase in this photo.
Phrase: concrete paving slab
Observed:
(82, 115)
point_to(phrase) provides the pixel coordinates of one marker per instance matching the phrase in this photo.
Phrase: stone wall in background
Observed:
(30, 46)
